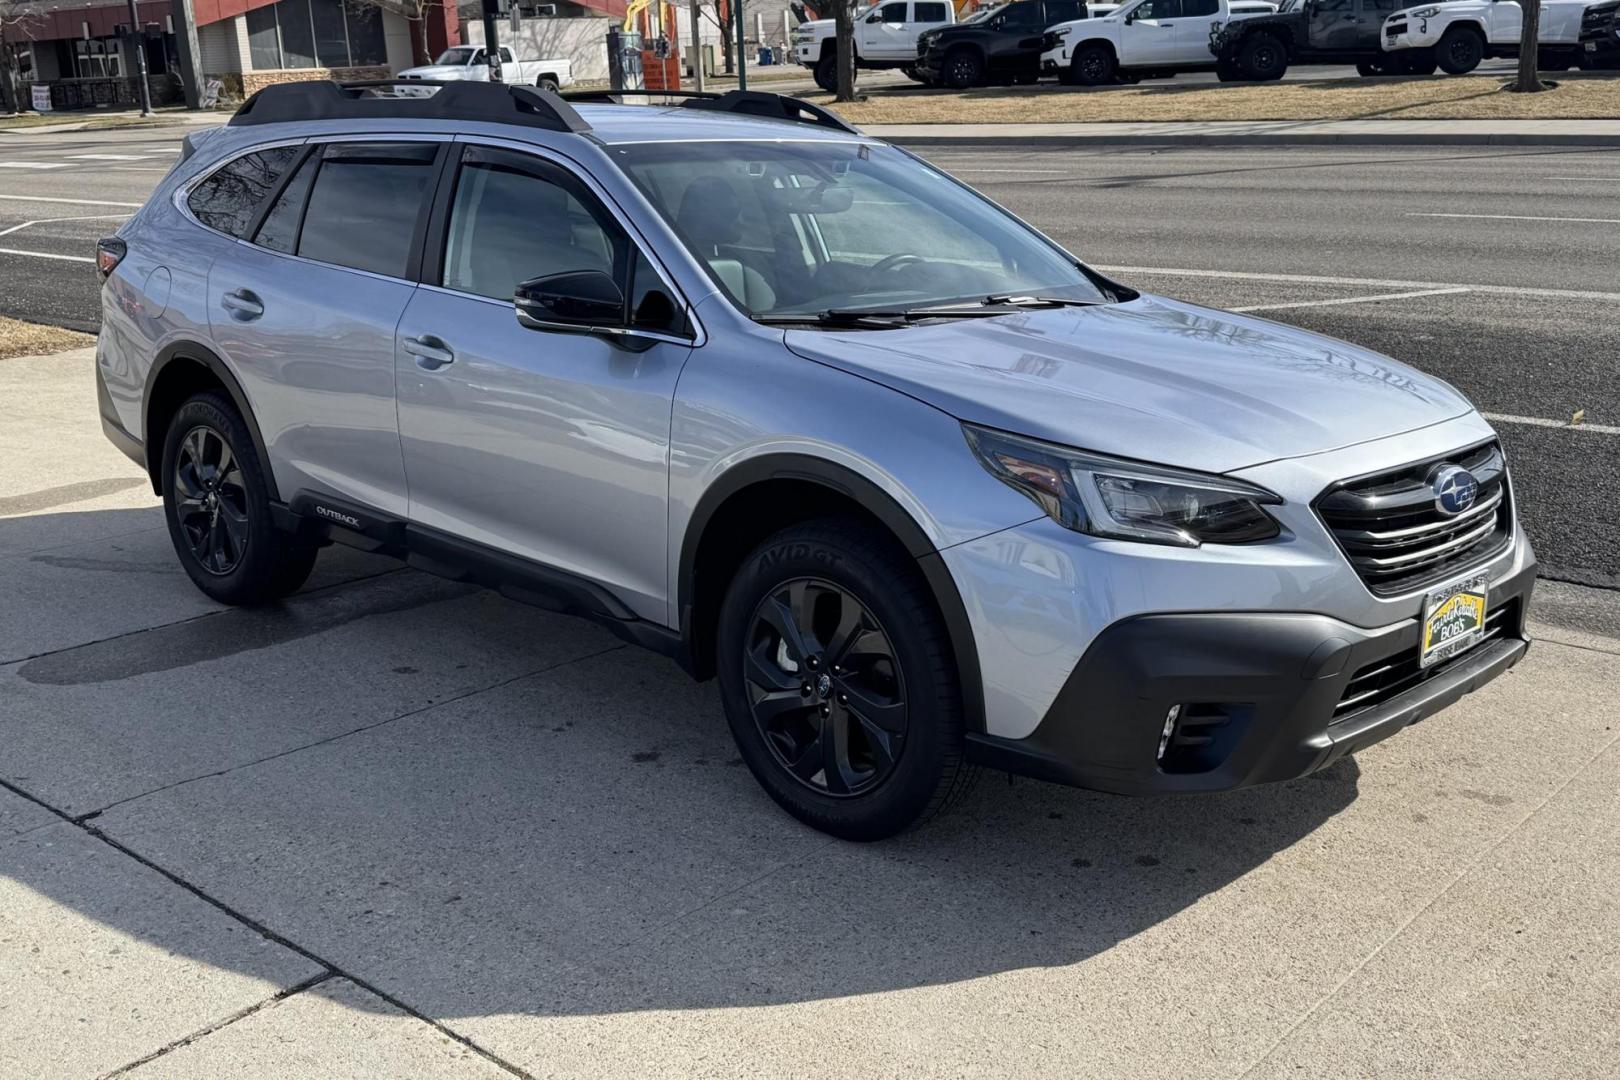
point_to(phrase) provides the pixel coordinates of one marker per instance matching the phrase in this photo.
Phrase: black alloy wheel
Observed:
(211, 500)
(1093, 66)
(963, 69)
(825, 688)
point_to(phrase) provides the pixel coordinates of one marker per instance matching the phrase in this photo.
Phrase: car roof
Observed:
(617, 124)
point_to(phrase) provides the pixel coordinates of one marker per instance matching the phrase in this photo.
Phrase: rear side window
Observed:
(1065, 11)
(1192, 9)
(229, 199)
(929, 12)
(280, 229)
(364, 204)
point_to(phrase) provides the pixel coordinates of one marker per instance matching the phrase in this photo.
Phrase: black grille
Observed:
(1397, 538)
(1381, 680)
(1598, 19)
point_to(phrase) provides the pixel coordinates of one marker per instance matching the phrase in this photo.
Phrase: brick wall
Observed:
(236, 86)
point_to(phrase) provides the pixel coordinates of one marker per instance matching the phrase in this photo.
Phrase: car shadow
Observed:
(571, 837)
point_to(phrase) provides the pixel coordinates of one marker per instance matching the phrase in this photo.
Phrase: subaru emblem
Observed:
(1454, 489)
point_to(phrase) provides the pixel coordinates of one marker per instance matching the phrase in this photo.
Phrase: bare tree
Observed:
(844, 23)
(414, 12)
(1529, 80)
(15, 18)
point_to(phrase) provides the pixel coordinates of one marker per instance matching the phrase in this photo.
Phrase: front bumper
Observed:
(1265, 696)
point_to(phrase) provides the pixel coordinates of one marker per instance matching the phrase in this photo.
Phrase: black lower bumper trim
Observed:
(1257, 693)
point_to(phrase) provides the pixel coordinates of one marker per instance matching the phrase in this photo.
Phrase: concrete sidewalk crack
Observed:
(240, 1014)
(330, 969)
(1467, 869)
(362, 729)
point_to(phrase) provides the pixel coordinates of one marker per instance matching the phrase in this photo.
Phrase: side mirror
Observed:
(874, 18)
(581, 300)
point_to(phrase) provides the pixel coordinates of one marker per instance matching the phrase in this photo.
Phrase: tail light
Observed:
(109, 253)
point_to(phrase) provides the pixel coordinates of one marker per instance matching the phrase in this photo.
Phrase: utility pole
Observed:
(185, 40)
(742, 61)
(137, 45)
(697, 50)
(492, 45)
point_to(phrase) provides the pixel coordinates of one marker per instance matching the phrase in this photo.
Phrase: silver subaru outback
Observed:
(925, 493)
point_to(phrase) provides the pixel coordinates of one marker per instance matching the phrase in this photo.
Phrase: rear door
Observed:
(542, 443)
(305, 312)
(1018, 47)
(1193, 28)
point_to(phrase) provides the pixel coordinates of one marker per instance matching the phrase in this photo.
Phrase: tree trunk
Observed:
(1529, 80)
(844, 22)
(728, 34)
(9, 91)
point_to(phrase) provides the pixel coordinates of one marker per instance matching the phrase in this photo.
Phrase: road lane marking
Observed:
(104, 157)
(48, 255)
(1543, 422)
(52, 198)
(33, 164)
(1376, 283)
(1605, 179)
(47, 221)
(1518, 217)
(1343, 299)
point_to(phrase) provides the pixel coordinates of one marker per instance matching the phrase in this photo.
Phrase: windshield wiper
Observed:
(873, 317)
(1024, 301)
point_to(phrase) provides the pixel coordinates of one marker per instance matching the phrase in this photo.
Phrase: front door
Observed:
(306, 315)
(545, 444)
(1335, 24)
(1148, 36)
(886, 33)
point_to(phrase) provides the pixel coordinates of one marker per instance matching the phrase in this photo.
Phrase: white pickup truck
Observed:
(1144, 39)
(885, 37)
(1461, 33)
(471, 63)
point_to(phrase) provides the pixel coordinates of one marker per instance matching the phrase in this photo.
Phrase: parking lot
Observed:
(401, 827)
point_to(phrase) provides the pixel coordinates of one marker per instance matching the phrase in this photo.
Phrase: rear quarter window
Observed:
(229, 199)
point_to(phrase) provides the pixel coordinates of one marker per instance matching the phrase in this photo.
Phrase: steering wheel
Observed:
(892, 262)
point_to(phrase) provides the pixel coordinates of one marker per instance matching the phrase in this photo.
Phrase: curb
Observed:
(1255, 139)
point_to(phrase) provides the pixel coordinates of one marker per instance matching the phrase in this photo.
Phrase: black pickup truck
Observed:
(1312, 32)
(995, 45)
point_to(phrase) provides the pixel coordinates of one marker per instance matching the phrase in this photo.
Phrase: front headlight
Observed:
(1424, 13)
(1126, 500)
(1060, 31)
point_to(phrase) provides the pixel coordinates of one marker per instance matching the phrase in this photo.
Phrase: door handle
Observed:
(243, 305)
(430, 352)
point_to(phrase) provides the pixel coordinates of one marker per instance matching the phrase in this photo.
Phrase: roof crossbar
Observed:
(745, 102)
(323, 99)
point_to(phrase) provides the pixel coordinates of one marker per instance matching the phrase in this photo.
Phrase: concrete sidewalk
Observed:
(1261, 132)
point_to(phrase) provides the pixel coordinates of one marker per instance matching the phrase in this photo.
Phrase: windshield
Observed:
(455, 57)
(789, 228)
(981, 15)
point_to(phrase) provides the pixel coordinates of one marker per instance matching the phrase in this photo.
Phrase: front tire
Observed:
(1094, 65)
(826, 73)
(837, 678)
(962, 69)
(217, 506)
(1460, 50)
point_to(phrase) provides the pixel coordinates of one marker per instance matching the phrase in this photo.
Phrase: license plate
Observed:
(1453, 619)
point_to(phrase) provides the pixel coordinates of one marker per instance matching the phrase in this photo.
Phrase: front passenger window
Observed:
(515, 218)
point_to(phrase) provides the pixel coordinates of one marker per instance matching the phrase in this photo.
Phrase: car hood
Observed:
(1150, 379)
(435, 71)
(818, 26)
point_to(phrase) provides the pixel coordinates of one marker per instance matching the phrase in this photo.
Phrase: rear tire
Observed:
(1262, 58)
(1094, 65)
(1422, 62)
(1460, 50)
(217, 505)
(546, 82)
(1369, 68)
(962, 68)
(837, 678)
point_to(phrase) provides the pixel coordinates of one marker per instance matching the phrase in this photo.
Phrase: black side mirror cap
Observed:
(582, 300)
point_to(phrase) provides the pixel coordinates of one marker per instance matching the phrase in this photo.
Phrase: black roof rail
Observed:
(746, 102)
(323, 99)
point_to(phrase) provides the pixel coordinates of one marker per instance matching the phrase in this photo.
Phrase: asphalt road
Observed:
(1510, 252)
